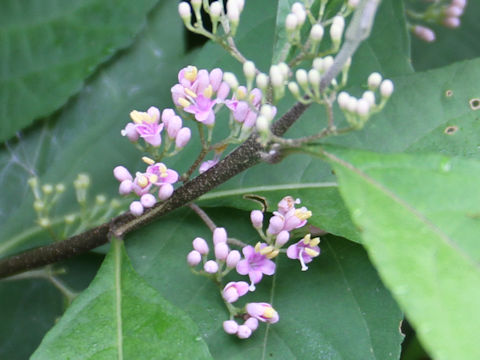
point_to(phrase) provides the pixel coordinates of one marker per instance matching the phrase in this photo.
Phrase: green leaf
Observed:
(120, 316)
(49, 50)
(338, 309)
(90, 125)
(31, 304)
(419, 219)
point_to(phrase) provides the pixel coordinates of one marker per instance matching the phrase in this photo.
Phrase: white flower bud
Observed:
(336, 30)
(230, 327)
(244, 332)
(327, 63)
(299, 10)
(136, 208)
(200, 245)
(219, 235)
(262, 80)
(302, 77)
(284, 69)
(262, 124)
(256, 217)
(316, 33)
(268, 111)
(221, 250)
(374, 80)
(184, 11)
(276, 76)
(369, 96)
(216, 8)
(47, 189)
(386, 88)
(291, 22)
(294, 89)
(60, 188)
(343, 99)
(314, 77)
(424, 33)
(233, 12)
(100, 199)
(362, 108)
(249, 69)
(351, 104)
(231, 80)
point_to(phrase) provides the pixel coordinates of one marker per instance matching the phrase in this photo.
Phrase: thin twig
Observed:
(203, 215)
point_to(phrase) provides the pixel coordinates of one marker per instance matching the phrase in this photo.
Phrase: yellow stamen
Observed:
(257, 247)
(311, 252)
(183, 102)
(315, 241)
(190, 93)
(251, 98)
(266, 250)
(273, 254)
(142, 181)
(268, 313)
(163, 170)
(306, 239)
(190, 73)
(241, 94)
(303, 214)
(147, 160)
(208, 92)
(139, 117)
(153, 178)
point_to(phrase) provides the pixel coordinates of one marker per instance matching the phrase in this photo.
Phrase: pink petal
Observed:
(255, 276)
(243, 267)
(292, 251)
(268, 268)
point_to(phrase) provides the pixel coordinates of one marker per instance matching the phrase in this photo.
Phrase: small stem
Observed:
(236, 242)
(195, 164)
(203, 215)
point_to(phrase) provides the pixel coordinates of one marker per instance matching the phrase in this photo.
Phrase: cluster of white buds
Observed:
(308, 82)
(444, 12)
(264, 120)
(358, 110)
(46, 196)
(228, 17)
(294, 22)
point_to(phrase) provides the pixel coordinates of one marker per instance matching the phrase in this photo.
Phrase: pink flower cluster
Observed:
(223, 255)
(453, 12)
(149, 126)
(256, 261)
(156, 177)
(245, 106)
(198, 91)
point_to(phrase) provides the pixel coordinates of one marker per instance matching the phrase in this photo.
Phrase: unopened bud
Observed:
(282, 238)
(369, 96)
(256, 216)
(47, 189)
(233, 258)
(200, 245)
(291, 22)
(194, 258)
(221, 250)
(316, 33)
(210, 267)
(60, 188)
(219, 235)
(100, 199)
(302, 77)
(249, 69)
(231, 80)
(262, 81)
(386, 88)
(184, 11)
(362, 108)
(216, 8)
(343, 99)
(293, 88)
(314, 77)
(276, 76)
(165, 191)
(336, 30)
(183, 137)
(374, 80)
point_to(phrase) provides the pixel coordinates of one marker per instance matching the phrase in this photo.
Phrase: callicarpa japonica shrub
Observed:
(240, 179)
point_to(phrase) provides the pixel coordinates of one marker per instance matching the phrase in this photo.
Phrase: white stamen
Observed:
(300, 257)
(252, 286)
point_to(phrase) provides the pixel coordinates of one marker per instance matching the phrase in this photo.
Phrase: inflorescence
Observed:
(256, 262)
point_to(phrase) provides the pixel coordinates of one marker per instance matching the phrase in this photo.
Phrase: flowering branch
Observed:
(245, 156)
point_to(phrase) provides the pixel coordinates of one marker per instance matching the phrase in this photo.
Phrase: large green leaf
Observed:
(49, 49)
(120, 316)
(338, 309)
(419, 219)
(90, 125)
(30, 306)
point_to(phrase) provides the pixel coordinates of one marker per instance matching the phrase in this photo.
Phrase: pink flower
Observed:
(147, 125)
(161, 174)
(241, 106)
(255, 264)
(304, 250)
(233, 290)
(263, 312)
(202, 108)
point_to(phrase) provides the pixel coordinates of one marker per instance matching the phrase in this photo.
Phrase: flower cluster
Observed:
(149, 126)
(156, 179)
(358, 111)
(198, 91)
(255, 263)
(443, 12)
